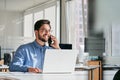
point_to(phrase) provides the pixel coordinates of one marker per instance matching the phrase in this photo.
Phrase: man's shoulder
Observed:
(48, 47)
(26, 45)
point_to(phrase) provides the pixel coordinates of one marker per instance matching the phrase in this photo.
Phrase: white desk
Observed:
(86, 67)
(110, 67)
(77, 75)
(89, 68)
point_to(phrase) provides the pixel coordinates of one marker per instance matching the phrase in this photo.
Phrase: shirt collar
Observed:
(37, 45)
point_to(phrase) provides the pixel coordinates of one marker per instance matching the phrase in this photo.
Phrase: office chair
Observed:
(117, 75)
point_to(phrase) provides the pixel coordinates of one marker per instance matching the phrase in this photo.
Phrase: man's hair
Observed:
(39, 23)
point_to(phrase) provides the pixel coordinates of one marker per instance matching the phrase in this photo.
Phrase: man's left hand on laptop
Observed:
(35, 70)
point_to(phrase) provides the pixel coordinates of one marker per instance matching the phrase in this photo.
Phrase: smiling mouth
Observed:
(46, 36)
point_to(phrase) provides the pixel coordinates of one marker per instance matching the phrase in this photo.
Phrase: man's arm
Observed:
(35, 70)
(55, 43)
(17, 62)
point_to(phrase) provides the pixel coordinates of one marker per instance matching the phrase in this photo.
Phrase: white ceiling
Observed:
(19, 5)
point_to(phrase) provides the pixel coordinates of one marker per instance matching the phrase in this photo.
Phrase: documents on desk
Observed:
(78, 66)
(110, 66)
(4, 66)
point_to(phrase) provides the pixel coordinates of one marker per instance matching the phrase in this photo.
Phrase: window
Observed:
(76, 16)
(49, 14)
(48, 10)
(28, 24)
(38, 15)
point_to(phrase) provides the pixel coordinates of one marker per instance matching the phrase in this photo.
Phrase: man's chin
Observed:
(44, 40)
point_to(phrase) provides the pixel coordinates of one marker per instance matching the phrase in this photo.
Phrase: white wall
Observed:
(106, 13)
(114, 60)
(11, 23)
(109, 74)
(11, 31)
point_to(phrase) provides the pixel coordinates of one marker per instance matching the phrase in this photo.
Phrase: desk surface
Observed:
(37, 76)
(77, 66)
(77, 75)
(87, 67)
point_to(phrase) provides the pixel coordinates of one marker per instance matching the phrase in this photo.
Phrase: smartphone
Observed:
(49, 41)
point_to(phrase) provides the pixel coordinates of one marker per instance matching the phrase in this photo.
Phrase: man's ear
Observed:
(36, 32)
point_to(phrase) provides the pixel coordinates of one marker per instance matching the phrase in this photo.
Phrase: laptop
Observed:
(60, 61)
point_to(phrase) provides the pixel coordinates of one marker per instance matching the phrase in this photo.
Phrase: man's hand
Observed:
(55, 43)
(35, 70)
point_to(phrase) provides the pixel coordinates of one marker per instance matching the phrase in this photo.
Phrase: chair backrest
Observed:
(117, 75)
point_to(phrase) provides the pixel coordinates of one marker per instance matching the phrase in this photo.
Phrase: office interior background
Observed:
(91, 26)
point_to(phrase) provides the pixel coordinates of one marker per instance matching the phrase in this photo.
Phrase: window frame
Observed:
(42, 7)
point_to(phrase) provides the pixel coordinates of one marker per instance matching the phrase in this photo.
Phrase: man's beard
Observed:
(42, 39)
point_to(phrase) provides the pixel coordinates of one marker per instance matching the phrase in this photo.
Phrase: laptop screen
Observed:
(65, 46)
(59, 61)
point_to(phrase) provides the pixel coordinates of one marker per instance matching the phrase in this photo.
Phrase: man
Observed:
(30, 57)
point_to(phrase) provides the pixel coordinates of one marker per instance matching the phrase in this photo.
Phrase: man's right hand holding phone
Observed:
(54, 43)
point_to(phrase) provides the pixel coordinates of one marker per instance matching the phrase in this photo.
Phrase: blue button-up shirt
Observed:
(28, 55)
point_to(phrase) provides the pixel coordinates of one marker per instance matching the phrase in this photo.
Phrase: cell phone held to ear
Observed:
(49, 41)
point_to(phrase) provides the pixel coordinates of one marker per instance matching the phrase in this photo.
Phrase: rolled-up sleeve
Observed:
(17, 63)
